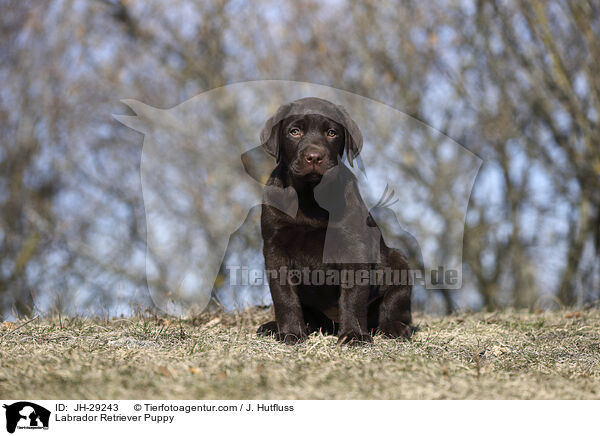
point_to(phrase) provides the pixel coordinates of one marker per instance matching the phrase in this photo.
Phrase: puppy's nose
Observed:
(314, 157)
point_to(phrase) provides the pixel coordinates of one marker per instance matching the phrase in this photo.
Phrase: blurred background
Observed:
(516, 83)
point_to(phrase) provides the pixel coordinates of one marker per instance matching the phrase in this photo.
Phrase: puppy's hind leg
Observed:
(394, 312)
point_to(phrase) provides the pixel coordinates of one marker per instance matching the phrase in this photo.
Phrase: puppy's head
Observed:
(309, 135)
(309, 145)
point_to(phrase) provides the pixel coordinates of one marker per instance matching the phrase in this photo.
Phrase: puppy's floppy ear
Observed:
(270, 141)
(269, 135)
(352, 135)
(351, 147)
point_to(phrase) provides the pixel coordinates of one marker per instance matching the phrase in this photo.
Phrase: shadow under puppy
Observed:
(321, 246)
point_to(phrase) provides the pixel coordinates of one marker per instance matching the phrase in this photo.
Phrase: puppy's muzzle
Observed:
(314, 160)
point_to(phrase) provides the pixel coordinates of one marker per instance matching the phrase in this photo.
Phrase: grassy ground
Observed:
(499, 355)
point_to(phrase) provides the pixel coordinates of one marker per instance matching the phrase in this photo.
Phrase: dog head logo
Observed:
(205, 163)
(26, 415)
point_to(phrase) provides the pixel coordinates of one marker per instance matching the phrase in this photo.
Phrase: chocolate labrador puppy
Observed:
(327, 264)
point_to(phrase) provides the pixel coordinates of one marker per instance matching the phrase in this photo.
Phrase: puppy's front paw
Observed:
(267, 329)
(291, 338)
(353, 337)
(396, 330)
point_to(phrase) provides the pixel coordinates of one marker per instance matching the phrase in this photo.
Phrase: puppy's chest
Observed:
(301, 242)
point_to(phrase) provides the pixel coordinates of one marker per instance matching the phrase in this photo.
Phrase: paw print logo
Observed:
(294, 277)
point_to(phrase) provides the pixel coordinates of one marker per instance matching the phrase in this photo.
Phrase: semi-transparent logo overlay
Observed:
(203, 174)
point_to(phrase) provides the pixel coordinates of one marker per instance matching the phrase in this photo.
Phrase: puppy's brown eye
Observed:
(331, 133)
(295, 132)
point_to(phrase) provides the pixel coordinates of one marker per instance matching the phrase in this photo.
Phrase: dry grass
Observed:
(501, 355)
